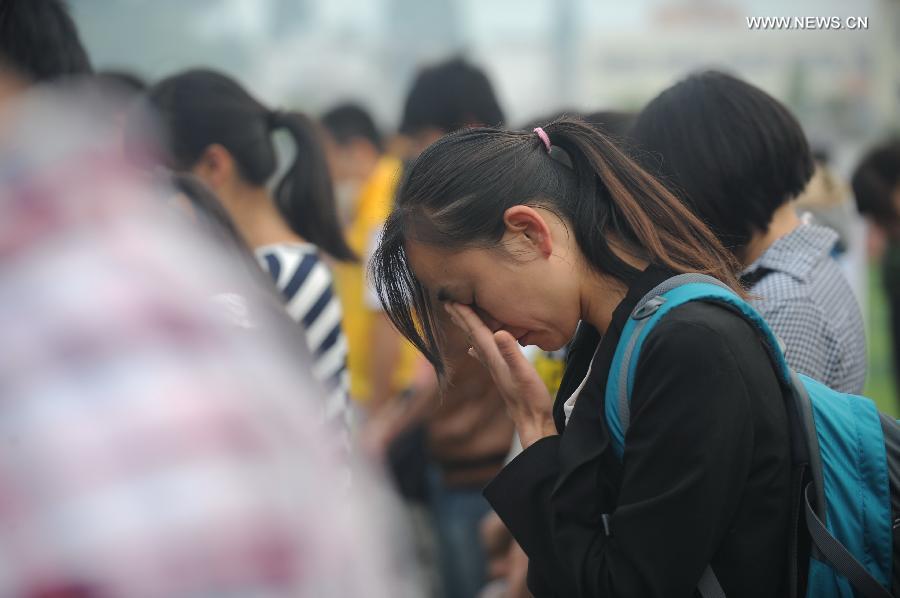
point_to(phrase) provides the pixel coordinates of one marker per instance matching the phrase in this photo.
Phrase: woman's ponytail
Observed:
(618, 196)
(305, 194)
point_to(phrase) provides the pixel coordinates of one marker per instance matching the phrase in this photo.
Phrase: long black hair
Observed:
(457, 191)
(198, 108)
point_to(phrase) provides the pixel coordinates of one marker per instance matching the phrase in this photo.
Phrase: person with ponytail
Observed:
(213, 128)
(533, 238)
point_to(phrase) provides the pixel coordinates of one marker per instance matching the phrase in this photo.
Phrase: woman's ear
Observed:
(215, 167)
(531, 224)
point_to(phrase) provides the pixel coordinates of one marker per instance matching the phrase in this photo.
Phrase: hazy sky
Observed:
(313, 52)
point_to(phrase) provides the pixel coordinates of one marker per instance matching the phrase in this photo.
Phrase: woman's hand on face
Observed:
(527, 400)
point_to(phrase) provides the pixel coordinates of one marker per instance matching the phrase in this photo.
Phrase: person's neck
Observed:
(784, 221)
(257, 218)
(601, 294)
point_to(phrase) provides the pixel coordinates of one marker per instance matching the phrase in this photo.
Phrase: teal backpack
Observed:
(845, 457)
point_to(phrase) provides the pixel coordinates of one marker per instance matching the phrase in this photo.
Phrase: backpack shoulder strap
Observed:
(672, 293)
(805, 448)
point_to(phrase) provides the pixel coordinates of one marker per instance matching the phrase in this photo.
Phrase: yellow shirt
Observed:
(376, 197)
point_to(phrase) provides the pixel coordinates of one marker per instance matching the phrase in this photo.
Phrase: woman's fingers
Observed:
(512, 354)
(479, 336)
(467, 319)
(517, 365)
(527, 400)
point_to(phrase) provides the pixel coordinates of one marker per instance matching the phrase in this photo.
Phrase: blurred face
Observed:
(350, 165)
(339, 159)
(529, 286)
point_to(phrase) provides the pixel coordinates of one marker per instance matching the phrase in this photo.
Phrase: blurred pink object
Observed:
(149, 446)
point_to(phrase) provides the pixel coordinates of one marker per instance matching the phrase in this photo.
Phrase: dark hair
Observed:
(874, 183)
(550, 117)
(456, 192)
(346, 122)
(449, 96)
(613, 123)
(38, 38)
(200, 107)
(729, 150)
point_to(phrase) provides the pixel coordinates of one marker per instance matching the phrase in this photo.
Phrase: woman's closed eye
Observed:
(485, 317)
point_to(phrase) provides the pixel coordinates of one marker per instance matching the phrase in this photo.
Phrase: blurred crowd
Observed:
(201, 392)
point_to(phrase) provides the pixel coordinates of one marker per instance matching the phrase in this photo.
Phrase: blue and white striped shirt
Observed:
(306, 285)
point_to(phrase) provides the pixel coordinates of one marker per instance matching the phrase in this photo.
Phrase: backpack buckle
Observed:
(649, 308)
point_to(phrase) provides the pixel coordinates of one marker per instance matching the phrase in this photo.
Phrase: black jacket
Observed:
(705, 477)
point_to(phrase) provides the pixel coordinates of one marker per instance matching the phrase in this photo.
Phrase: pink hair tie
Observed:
(544, 137)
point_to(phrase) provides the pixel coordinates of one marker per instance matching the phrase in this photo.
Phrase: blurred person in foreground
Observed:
(126, 81)
(127, 87)
(737, 157)
(876, 186)
(148, 445)
(381, 363)
(212, 127)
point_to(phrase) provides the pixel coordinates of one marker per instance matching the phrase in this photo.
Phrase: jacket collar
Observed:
(799, 252)
(585, 437)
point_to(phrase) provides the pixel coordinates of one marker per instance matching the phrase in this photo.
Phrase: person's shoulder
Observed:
(707, 345)
(294, 264)
(706, 315)
(791, 305)
(701, 350)
(781, 286)
(701, 328)
(287, 251)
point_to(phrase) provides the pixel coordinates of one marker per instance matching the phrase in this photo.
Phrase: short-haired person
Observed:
(522, 235)
(446, 97)
(876, 187)
(737, 158)
(380, 362)
(354, 147)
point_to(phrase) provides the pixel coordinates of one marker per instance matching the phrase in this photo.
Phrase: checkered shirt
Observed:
(810, 306)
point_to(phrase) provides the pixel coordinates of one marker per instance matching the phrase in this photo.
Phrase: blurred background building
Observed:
(542, 54)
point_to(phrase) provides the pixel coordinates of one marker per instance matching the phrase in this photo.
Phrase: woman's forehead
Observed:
(428, 261)
(444, 273)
